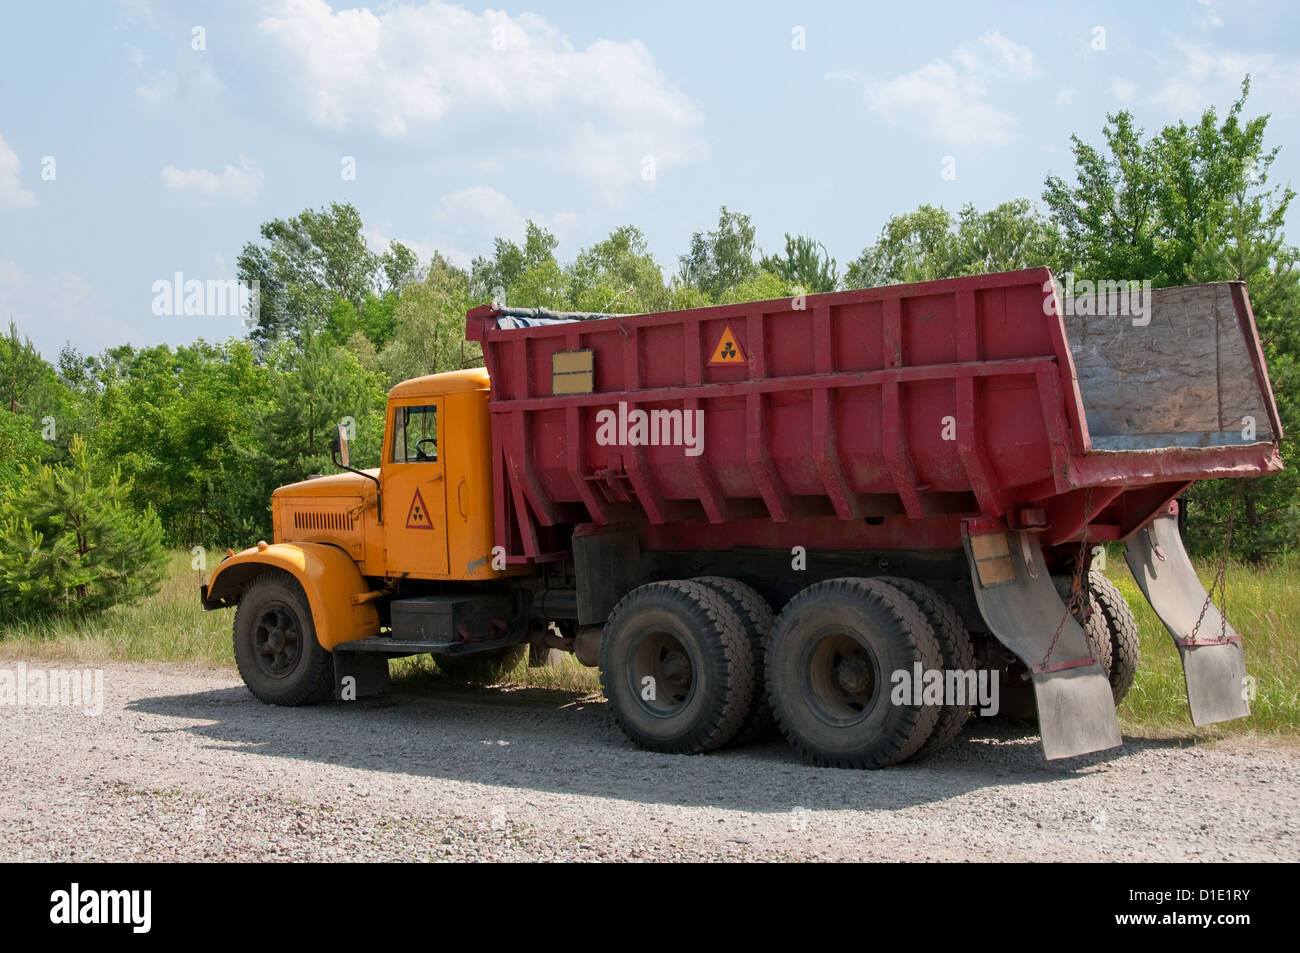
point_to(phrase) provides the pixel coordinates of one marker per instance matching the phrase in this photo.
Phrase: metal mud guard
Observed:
(1214, 663)
(1020, 604)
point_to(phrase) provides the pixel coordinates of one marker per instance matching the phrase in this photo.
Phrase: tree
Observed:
(917, 246)
(618, 274)
(430, 322)
(176, 423)
(1140, 211)
(722, 259)
(524, 277)
(20, 449)
(310, 263)
(805, 264)
(1008, 237)
(314, 390)
(1192, 204)
(21, 367)
(72, 544)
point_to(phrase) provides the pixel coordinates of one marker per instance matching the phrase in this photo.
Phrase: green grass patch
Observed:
(1264, 606)
(168, 626)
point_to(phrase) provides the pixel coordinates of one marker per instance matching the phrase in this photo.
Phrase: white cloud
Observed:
(482, 209)
(947, 99)
(1122, 89)
(59, 309)
(1206, 76)
(413, 71)
(1008, 56)
(1064, 96)
(12, 193)
(473, 217)
(196, 81)
(240, 185)
(138, 11)
(1210, 13)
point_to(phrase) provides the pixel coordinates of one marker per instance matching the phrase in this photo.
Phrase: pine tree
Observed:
(69, 544)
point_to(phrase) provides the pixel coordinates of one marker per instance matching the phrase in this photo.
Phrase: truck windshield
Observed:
(415, 438)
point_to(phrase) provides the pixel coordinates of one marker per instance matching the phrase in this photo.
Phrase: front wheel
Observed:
(276, 650)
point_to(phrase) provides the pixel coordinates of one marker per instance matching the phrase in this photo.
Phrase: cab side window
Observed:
(415, 437)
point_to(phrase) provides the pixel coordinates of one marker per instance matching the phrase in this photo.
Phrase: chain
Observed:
(1078, 588)
(1220, 582)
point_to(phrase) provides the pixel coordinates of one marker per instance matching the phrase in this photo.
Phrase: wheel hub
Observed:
(277, 641)
(661, 673)
(852, 675)
(841, 680)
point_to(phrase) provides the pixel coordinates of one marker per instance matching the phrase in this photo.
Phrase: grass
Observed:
(568, 676)
(1263, 604)
(169, 626)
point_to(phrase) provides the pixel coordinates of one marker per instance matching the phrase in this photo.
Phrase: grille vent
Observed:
(309, 520)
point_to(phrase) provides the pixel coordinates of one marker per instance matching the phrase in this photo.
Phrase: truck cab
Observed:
(426, 511)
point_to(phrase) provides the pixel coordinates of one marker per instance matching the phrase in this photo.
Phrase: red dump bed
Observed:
(980, 397)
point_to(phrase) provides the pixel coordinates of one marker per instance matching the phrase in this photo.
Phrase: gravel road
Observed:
(184, 764)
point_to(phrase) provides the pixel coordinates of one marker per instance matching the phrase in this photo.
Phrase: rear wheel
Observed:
(677, 668)
(275, 643)
(833, 660)
(955, 649)
(1098, 635)
(756, 617)
(1122, 630)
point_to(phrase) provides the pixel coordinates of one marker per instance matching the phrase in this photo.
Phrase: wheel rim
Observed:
(661, 656)
(277, 641)
(841, 681)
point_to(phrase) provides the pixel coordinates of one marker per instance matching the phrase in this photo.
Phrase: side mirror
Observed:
(341, 455)
(343, 460)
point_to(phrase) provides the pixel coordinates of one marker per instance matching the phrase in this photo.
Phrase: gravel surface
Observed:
(185, 764)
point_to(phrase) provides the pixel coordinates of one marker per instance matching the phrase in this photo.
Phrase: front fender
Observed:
(329, 576)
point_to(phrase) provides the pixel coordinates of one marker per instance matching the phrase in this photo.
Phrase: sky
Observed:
(140, 139)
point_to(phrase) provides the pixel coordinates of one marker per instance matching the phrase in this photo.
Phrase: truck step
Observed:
(391, 646)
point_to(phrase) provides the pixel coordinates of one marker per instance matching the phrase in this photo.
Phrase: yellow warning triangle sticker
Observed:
(417, 517)
(728, 350)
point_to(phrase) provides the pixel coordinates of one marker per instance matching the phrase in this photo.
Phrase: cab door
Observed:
(415, 491)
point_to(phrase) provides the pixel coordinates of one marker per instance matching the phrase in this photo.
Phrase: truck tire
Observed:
(275, 643)
(757, 617)
(677, 668)
(955, 649)
(1125, 652)
(830, 659)
(1098, 634)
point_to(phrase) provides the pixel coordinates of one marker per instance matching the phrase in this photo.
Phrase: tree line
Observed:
(178, 446)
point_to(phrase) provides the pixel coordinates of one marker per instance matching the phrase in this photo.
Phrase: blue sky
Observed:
(464, 121)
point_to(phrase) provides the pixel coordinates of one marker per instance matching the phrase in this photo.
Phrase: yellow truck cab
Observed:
(345, 545)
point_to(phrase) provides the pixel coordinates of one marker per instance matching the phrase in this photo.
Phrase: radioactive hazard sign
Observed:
(728, 349)
(417, 517)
